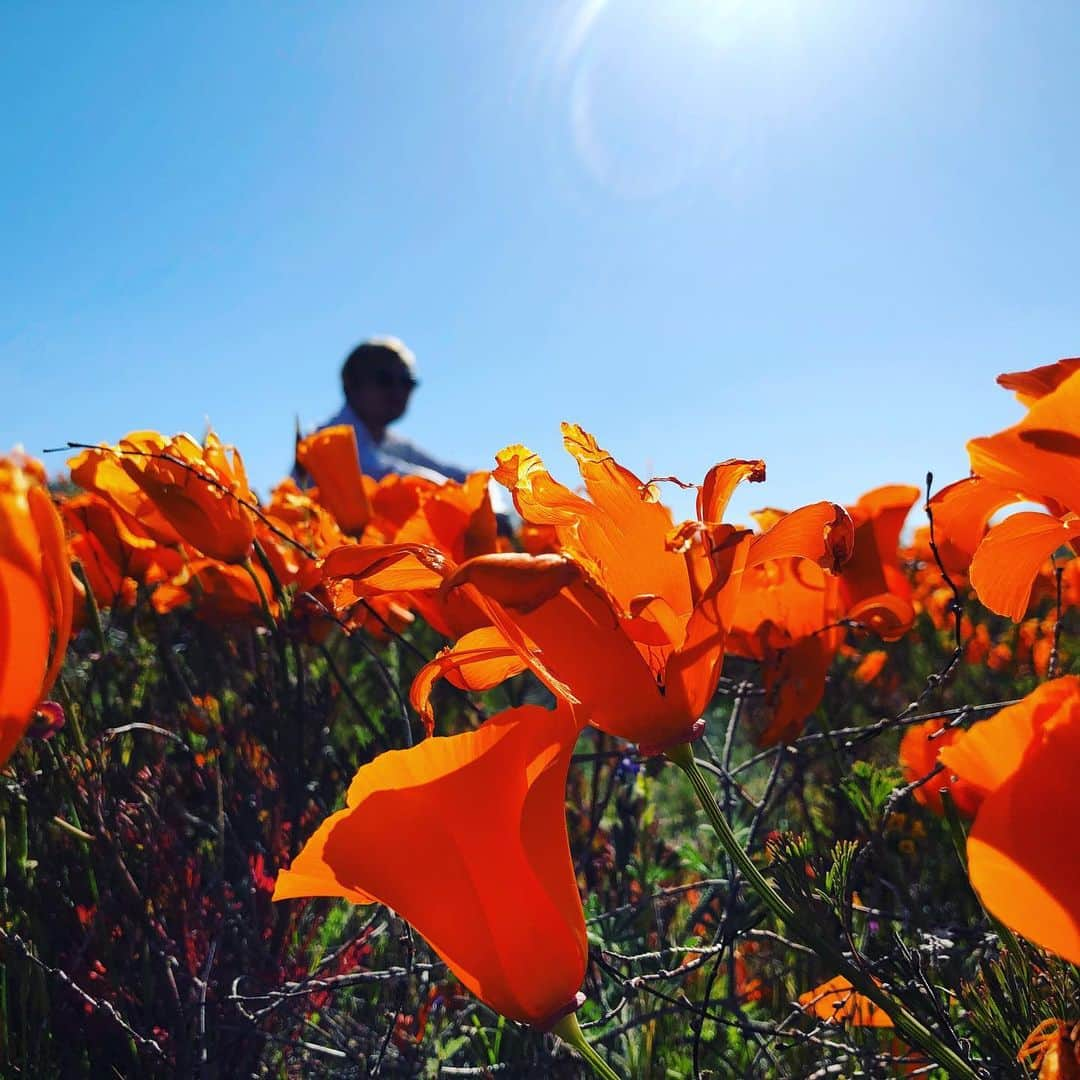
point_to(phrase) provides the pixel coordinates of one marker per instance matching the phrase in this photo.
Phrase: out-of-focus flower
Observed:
(201, 492)
(492, 889)
(47, 720)
(837, 1001)
(870, 667)
(873, 588)
(918, 756)
(221, 592)
(36, 595)
(330, 456)
(115, 555)
(1024, 762)
(453, 520)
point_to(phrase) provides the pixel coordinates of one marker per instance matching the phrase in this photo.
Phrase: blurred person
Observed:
(378, 379)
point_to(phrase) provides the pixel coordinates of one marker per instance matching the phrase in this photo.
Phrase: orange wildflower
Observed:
(331, 457)
(873, 588)
(1053, 1048)
(115, 556)
(1023, 762)
(36, 595)
(222, 592)
(451, 522)
(837, 1001)
(1036, 460)
(918, 755)
(199, 491)
(492, 890)
(631, 620)
(871, 666)
(789, 608)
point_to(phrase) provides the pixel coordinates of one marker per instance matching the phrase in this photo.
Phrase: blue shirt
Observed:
(397, 455)
(394, 454)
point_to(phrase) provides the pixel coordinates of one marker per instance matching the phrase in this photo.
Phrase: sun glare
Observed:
(652, 92)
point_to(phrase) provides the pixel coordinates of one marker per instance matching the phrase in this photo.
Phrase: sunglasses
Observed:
(387, 380)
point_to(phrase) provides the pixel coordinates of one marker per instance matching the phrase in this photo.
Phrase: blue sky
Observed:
(809, 232)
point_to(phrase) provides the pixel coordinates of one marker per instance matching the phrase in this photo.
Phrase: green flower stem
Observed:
(570, 1032)
(912, 1029)
(92, 612)
(264, 600)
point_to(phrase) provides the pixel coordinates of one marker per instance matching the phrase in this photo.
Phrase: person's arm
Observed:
(405, 453)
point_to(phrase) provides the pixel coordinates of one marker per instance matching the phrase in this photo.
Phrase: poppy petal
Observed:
(990, 752)
(961, 513)
(1021, 848)
(720, 483)
(478, 661)
(1010, 557)
(1030, 386)
(388, 567)
(514, 932)
(821, 531)
(1011, 461)
(25, 629)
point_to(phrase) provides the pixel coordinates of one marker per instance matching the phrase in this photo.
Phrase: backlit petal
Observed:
(1010, 557)
(1042, 472)
(822, 532)
(961, 513)
(486, 876)
(1031, 385)
(1022, 848)
(478, 661)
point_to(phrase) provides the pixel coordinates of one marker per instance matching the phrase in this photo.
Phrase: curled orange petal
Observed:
(479, 660)
(961, 514)
(1030, 386)
(517, 581)
(1010, 557)
(822, 532)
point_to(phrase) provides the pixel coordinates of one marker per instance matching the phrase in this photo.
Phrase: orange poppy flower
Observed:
(36, 595)
(1054, 1049)
(331, 457)
(873, 588)
(113, 554)
(632, 619)
(492, 890)
(197, 490)
(918, 755)
(1037, 459)
(789, 609)
(394, 499)
(837, 1001)
(222, 592)
(453, 520)
(1024, 762)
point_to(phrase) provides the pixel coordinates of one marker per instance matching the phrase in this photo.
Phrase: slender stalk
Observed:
(570, 1032)
(913, 1029)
